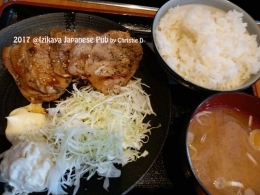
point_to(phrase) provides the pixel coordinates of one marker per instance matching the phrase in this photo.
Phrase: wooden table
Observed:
(103, 7)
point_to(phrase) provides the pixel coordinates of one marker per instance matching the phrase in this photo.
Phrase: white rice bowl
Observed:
(208, 47)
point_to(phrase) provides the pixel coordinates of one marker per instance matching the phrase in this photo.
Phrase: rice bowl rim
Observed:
(224, 5)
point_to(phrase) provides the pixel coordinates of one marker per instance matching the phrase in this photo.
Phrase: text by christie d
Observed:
(98, 39)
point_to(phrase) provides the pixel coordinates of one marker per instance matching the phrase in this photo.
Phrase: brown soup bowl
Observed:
(221, 145)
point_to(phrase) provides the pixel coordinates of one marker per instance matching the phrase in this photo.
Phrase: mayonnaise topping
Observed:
(21, 117)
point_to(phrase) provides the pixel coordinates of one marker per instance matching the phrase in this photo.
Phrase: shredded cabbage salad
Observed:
(90, 132)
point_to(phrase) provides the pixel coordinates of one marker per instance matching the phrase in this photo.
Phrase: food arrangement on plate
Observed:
(44, 70)
(107, 94)
(99, 118)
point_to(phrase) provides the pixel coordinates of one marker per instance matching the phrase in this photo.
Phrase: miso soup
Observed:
(224, 151)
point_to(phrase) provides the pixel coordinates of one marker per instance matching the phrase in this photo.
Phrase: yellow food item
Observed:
(18, 119)
(254, 139)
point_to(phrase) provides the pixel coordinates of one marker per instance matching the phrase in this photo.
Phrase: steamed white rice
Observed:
(209, 47)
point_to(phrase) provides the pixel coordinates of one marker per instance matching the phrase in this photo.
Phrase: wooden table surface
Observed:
(117, 8)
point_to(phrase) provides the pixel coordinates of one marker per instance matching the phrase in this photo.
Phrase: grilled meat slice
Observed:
(80, 52)
(41, 74)
(127, 43)
(111, 65)
(132, 49)
(60, 50)
(43, 71)
(11, 56)
(105, 66)
(17, 66)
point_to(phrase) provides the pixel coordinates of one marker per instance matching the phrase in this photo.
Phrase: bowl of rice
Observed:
(207, 45)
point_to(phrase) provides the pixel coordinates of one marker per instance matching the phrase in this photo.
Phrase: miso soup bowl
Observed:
(223, 5)
(242, 103)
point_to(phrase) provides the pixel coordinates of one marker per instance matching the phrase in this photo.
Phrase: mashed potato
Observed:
(25, 166)
(207, 46)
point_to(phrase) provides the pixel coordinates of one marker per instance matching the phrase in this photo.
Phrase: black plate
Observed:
(149, 71)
